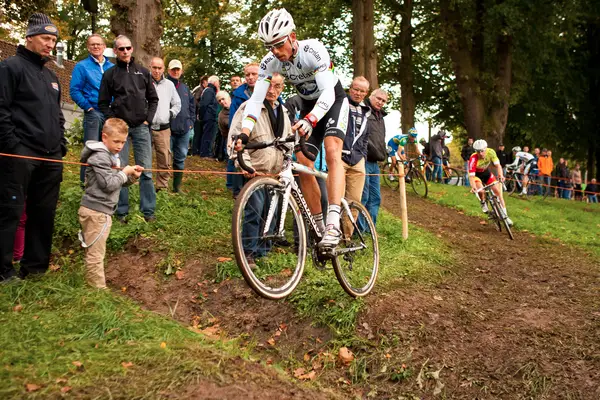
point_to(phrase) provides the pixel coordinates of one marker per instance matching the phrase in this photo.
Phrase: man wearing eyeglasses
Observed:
(127, 92)
(85, 85)
(324, 110)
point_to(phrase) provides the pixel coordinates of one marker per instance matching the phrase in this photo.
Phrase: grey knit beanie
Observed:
(40, 24)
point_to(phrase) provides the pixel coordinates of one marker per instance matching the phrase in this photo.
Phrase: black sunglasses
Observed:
(124, 48)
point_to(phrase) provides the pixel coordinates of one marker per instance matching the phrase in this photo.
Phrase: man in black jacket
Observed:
(127, 92)
(376, 152)
(208, 115)
(465, 153)
(31, 124)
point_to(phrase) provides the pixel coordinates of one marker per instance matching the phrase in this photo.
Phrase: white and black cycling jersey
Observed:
(310, 71)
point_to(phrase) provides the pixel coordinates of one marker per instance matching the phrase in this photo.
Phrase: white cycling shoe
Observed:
(509, 221)
(331, 238)
(485, 208)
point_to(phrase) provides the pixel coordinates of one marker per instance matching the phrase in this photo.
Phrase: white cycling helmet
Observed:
(277, 24)
(480, 145)
(516, 149)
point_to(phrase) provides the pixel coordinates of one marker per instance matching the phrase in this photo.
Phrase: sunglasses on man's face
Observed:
(276, 45)
(124, 48)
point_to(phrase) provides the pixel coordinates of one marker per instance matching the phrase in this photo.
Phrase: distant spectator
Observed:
(576, 178)
(437, 154)
(197, 139)
(465, 153)
(183, 125)
(85, 85)
(208, 115)
(225, 102)
(546, 166)
(235, 82)
(426, 148)
(592, 190)
(562, 176)
(240, 95)
(169, 106)
(526, 149)
(503, 156)
(127, 92)
(103, 183)
(31, 124)
(568, 191)
(376, 153)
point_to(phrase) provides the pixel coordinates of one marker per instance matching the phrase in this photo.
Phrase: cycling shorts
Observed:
(529, 165)
(485, 176)
(334, 123)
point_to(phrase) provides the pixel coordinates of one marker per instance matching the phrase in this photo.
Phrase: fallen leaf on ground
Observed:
(61, 380)
(271, 341)
(283, 326)
(163, 345)
(65, 389)
(79, 365)
(277, 333)
(482, 222)
(223, 259)
(32, 387)
(127, 364)
(438, 298)
(306, 357)
(54, 267)
(311, 376)
(123, 289)
(345, 355)
(179, 274)
(212, 331)
(17, 308)
(299, 372)
(388, 355)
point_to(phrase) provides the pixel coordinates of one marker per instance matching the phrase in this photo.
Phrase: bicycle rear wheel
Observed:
(418, 182)
(271, 262)
(453, 176)
(390, 181)
(357, 262)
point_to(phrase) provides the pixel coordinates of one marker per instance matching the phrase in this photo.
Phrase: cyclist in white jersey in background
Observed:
(324, 110)
(524, 162)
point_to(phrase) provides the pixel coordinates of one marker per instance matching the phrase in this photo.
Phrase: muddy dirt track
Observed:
(510, 319)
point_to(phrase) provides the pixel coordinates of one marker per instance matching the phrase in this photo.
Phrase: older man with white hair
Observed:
(208, 115)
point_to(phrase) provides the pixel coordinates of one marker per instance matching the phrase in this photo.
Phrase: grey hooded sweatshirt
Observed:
(102, 182)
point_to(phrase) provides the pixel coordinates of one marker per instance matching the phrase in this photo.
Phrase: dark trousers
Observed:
(197, 138)
(39, 183)
(209, 131)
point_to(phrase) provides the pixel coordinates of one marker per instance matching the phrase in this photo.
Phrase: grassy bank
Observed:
(572, 223)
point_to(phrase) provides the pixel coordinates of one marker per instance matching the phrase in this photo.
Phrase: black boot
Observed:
(177, 178)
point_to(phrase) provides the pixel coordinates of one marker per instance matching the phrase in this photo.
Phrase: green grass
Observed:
(572, 223)
(59, 320)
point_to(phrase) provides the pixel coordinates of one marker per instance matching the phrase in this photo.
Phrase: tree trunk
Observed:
(364, 52)
(142, 22)
(407, 99)
(485, 108)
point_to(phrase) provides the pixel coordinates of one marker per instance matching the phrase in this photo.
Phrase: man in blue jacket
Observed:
(208, 115)
(85, 85)
(183, 124)
(31, 124)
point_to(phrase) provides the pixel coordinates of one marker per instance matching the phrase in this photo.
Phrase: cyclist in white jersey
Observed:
(523, 161)
(323, 110)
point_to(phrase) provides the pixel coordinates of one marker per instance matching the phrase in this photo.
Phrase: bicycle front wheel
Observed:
(503, 218)
(390, 176)
(418, 182)
(454, 177)
(495, 213)
(271, 259)
(357, 263)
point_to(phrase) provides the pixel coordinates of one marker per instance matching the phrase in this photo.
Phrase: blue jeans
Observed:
(179, 148)
(141, 139)
(209, 131)
(235, 182)
(93, 121)
(371, 195)
(466, 177)
(546, 180)
(437, 169)
(566, 194)
(593, 198)
(255, 215)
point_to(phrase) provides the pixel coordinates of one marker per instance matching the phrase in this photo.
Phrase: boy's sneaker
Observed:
(331, 238)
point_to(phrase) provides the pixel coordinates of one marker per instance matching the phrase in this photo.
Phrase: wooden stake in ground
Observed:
(402, 192)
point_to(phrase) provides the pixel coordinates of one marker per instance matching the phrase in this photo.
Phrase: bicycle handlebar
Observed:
(305, 151)
(257, 146)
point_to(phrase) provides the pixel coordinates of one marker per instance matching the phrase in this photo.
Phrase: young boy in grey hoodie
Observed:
(103, 182)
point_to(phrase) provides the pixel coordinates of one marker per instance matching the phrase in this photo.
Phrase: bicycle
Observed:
(514, 183)
(287, 230)
(450, 175)
(413, 175)
(494, 210)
